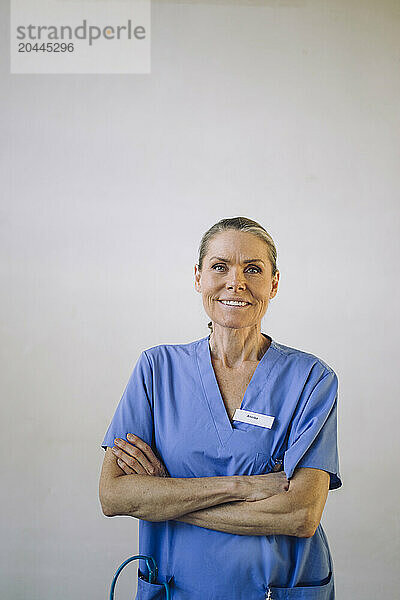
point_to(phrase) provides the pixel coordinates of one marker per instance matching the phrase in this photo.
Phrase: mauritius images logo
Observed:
(65, 36)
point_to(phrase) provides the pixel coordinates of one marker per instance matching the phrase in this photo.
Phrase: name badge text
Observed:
(247, 416)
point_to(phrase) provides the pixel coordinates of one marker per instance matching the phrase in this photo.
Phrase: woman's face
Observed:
(227, 275)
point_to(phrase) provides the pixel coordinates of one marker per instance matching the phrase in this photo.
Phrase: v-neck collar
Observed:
(212, 392)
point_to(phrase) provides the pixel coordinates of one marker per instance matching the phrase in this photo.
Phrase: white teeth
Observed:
(233, 303)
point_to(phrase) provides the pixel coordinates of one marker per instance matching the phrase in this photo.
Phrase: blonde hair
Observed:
(240, 224)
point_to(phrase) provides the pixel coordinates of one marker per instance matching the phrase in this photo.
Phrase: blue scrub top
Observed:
(172, 401)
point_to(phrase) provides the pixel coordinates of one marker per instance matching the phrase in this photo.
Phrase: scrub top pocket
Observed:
(150, 591)
(309, 592)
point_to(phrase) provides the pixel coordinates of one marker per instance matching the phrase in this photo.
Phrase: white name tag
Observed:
(247, 416)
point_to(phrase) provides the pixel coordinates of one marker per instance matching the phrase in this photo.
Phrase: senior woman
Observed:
(197, 444)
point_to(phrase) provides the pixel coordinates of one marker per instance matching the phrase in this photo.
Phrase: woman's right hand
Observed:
(259, 487)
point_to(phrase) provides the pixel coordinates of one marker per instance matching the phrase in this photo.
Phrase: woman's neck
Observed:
(233, 347)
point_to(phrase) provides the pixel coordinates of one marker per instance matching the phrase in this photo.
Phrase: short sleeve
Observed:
(134, 412)
(313, 436)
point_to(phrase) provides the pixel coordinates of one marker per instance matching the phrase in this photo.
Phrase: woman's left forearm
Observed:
(277, 515)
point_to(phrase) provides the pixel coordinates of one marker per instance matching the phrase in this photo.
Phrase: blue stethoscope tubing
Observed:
(152, 569)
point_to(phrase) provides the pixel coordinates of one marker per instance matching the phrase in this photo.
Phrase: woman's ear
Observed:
(197, 276)
(275, 281)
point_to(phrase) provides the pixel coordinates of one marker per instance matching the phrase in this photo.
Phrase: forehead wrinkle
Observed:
(245, 261)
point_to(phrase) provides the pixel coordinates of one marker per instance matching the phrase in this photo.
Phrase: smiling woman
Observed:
(215, 421)
(255, 252)
(237, 276)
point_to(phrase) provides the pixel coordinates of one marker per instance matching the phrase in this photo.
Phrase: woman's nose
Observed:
(236, 284)
(236, 287)
(236, 280)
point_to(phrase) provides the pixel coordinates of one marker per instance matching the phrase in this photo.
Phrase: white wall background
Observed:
(286, 112)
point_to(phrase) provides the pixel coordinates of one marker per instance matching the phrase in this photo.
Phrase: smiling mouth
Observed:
(234, 305)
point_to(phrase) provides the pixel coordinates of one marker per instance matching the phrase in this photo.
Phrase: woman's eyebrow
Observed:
(249, 260)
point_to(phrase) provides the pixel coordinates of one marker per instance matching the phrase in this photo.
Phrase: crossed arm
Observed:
(244, 505)
(296, 511)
